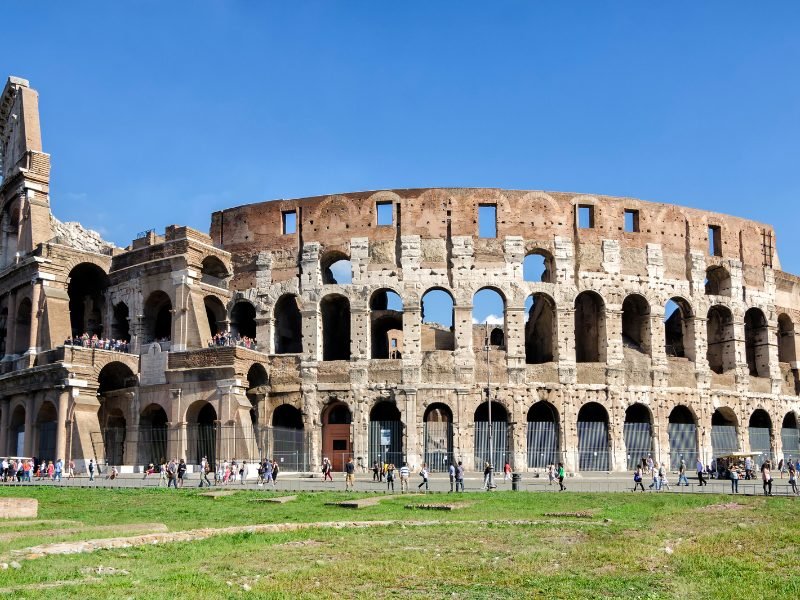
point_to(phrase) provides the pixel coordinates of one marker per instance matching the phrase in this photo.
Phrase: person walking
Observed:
(376, 469)
(700, 480)
(350, 475)
(452, 472)
(205, 469)
(390, 478)
(423, 472)
(507, 472)
(637, 479)
(91, 469)
(181, 472)
(656, 482)
(59, 469)
(561, 485)
(275, 470)
(682, 480)
(734, 475)
(268, 473)
(327, 470)
(662, 477)
(748, 468)
(404, 475)
(766, 477)
(460, 476)
(793, 477)
(172, 479)
(781, 467)
(487, 474)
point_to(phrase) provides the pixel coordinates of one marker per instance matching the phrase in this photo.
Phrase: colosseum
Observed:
(345, 326)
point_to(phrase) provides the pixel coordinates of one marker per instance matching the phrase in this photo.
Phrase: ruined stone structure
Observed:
(645, 329)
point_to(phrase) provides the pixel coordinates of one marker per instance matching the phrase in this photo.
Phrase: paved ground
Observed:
(473, 482)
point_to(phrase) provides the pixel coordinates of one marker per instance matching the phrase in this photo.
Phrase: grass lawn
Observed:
(632, 546)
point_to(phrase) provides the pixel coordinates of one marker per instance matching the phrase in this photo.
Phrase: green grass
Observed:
(750, 552)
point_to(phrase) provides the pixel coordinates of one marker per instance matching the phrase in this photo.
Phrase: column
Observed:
(412, 442)
(34, 336)
(613, 336)
(61, 427)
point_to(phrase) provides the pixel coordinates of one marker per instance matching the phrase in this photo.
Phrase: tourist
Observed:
(781, 467)
(551, 474)
(682, 480)
(59, 469)
(792, 477)
(172, 474)
(390, 478)
(700, 480)
(662, 477)
(507, 472)
(327, 470)
(734, 475)
(561, 486)
(404, 475)
(268, 472)
(487, 475)
(181, 472)
(91, 469)
(637, 479)
(460, 476)
(452, 472)
(243, 472)
(376, 467)
(766, 477)
(748, 468)
(205, 469)
(350, 475)
(275, 469)
(650, 466)
(51, 471)
(163, 479)
(423, 472)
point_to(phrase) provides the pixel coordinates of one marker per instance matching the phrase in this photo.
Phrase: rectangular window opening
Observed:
(385, 216)
(715, 240)
(631, 221)
(487, 220)
(585, 216)
(289, 222)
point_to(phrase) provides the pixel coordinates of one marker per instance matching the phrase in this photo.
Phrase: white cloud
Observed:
(491, 319)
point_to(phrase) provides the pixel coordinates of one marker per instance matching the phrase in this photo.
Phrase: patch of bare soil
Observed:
(725, 507)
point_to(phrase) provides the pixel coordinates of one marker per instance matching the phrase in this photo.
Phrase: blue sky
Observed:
(158, 113)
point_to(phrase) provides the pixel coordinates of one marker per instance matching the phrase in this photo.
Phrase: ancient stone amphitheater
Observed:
(346, 326)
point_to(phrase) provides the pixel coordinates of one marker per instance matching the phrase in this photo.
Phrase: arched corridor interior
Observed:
(495, 451)
(593, 439)
(438, 437)
(682, 434)
(542, 435)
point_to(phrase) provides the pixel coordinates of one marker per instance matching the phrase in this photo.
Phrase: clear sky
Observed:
(162, 112)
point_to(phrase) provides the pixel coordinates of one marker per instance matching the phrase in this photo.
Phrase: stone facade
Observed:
(648, 328)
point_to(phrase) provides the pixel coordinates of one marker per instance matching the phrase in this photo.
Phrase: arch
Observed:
(540, 329)
(114, 432)
(336, 268)
(498, 452)
(637, 431)
(287, 416)
(16, 431)
(543, 435)
(385, 433)
(335, 311)
(120, 322)
(760, 433)
(257, 382)
(86, 290)
(593, 438)
(46, 427)
(213, 271)
(153, 435)
(288, 437)
(288, 325)
(756, 342)
(23, 326)
(636, 323)
(201, 429)
(386, 324)
(590, 328)
(437, 320)
(787, 350)
(115, 376)
(790, 436)
(718, 281)
(489, 307)
(243, 319)
(679, 329)
(438, 436)
(724, 432)
(538, 266)
(682, 434)
(157, 317)
(215, 313)
(337, 438)
(721, 353)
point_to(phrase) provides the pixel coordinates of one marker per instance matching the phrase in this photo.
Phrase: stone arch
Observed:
(336, 267)
(497, 452)
(541, 329)
(682, 435)
(637, 433)
(543, 441)
(213, 271)
(16, 431)
(385, 433)
(438, 306)
(721, 353)
(724, 431)
(636, 323)
(157, 317)
(120, 322)
(86, 289)
(113, 426)
(760, 433)
(593, 438)
(335, 312)
(202, 424)
(257, 390)
(288, 325)
(590, 328)
(756, 342)
(787, 350)
(216, 314)
(288, 437)
(679, 331)
(46, 430)
(153, 424)
(386, 324)
(438, 436)
(538, 266)
(493, 300)
(23, 326)
(115, 376)
(337, 436)
(790, 436)
(243, 319)
(718, 281)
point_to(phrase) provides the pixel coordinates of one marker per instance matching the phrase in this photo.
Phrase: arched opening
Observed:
(787, 352)
(437, 321)
(593, 439)
(114, 431)
(721, 353)
(22, 336)
(335, 311)
(488, 309)
(638, 434)
(718, 282)
(214, 272)
(543, 438)
(636, 324)
(115, 376)
(3, 330)
(336, 268)
(438, 435)
(46, 424)
(288, 438)
(257, 390)
(682, 433)
(538, 266)
(201, 432)
(215, 314)
(288, 325)
(153, 435)
(756, 342)
(16, 432)
(790, 436)
(499, 452)
(86, 289)
(540, 329)
(243, 320)
(386, 324)
(120, 322)
(158, 318)
(385, 434)
(590, 328)
(724, 438)
(760, 433)
(337, 439)
(679, 329)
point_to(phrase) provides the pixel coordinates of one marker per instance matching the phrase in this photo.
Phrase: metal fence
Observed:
(760, 442)
(438, 438)
(385, 442)
(682, 444)
(724, 439)
(638, 442)
(542, 444)
(593, 454)
(790, 440)
(500, 451)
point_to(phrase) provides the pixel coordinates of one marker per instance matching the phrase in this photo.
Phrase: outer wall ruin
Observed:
(647, 329)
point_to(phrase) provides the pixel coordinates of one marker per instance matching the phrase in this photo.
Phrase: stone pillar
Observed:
(569, 431)
(412, 333)
(413, 450)
(35, 313)
(616, 433)
(265, 336)
(565, 341)
(312, 424)
(61, 427)
(462, 329)
(312, 330)
(359, 331)
(30, 404)
(460, 426)
(172, 441)
(131, 456)
(515, 338)
(613, 338)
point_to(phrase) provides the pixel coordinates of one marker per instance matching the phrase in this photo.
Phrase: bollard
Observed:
(515, 479)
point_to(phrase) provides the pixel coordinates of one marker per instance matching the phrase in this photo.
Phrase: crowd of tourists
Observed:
(17, 470)
(93, 341)
(172, 473)
(226, 338)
